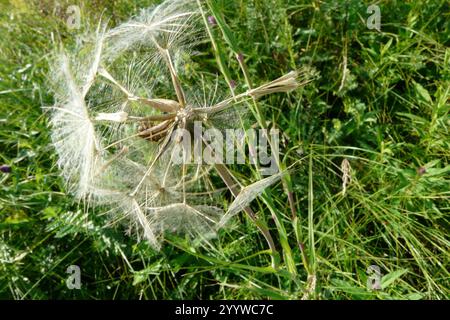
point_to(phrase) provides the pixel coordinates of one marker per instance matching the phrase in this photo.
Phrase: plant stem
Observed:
(234, 187)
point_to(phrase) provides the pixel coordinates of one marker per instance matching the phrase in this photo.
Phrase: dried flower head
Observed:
(117, 138)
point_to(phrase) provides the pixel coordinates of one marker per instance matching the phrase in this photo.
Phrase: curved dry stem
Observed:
(234, 186)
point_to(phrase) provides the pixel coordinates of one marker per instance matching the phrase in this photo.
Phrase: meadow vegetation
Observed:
(367, 143)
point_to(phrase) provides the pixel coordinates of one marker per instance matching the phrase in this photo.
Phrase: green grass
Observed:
(388, 115)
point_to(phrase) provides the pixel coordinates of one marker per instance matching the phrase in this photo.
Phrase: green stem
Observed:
(287, 252)
(217, 50)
